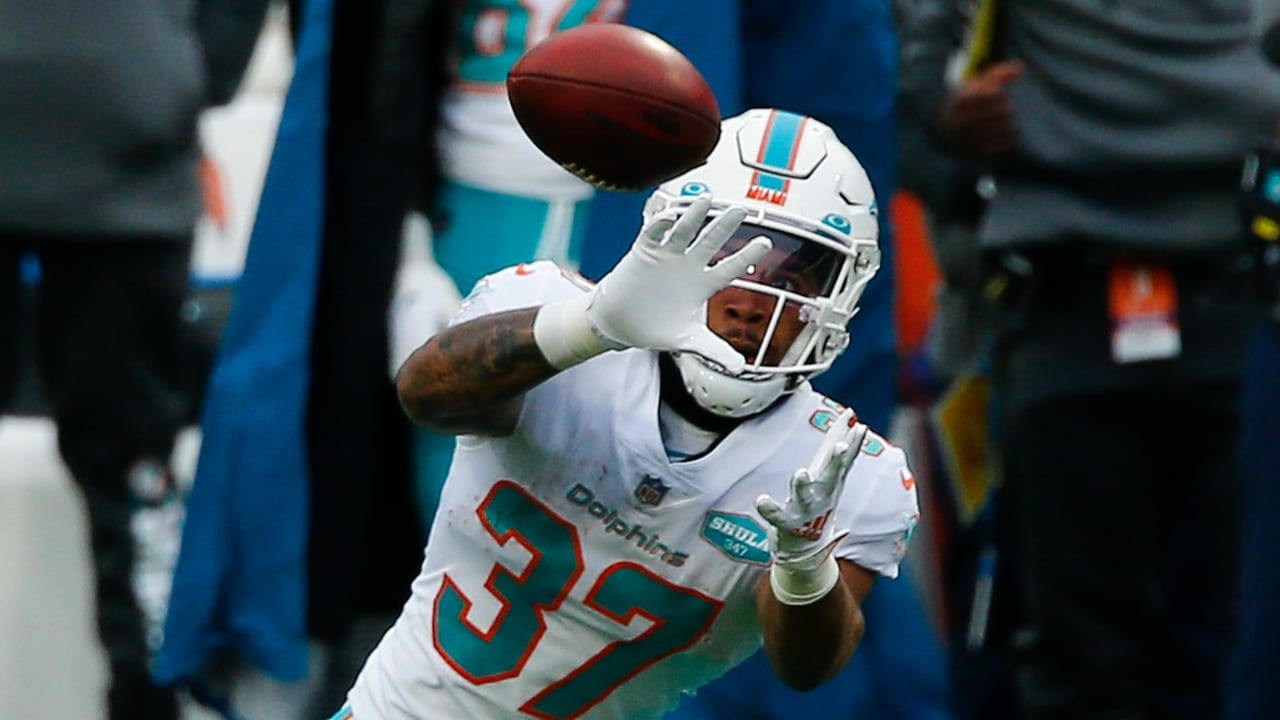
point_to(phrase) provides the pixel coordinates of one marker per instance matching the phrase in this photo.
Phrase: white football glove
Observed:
(654, 297)
(802, 534)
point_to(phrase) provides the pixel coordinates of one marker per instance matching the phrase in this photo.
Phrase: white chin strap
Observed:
(726, 395)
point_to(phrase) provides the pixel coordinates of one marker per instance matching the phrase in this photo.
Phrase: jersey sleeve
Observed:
(520, 286)
(880, 508)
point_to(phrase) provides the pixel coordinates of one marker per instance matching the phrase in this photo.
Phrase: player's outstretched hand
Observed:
(653, 297)
(803, 535)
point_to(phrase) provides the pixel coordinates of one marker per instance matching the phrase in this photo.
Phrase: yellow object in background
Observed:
(1265, 228)
(961, 423)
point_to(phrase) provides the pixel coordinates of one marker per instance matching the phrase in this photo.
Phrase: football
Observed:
(615, 105)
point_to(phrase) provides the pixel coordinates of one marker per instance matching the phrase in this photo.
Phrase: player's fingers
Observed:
(687, 225)
(849, 447)
(716, 234)
(845, 453)
(771, 511)
(736, 264)
(652, 233)
(839, 428)
(842, 452)
(804, 487)
(821, 463)
(835, 433)
(841, 460)
(856, 438)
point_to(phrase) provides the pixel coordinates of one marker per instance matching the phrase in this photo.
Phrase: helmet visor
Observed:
(794, 265)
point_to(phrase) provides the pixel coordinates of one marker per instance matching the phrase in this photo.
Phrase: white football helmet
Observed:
(807, 192)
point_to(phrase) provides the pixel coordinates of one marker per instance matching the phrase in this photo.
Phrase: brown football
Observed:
(618, 106)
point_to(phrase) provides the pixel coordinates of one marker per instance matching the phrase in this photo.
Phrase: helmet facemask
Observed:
(807, 285)
(823, 229)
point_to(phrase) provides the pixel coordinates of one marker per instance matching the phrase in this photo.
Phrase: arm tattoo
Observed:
(489, 360)
(473, 368)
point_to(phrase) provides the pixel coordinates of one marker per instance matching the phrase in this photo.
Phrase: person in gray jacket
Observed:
(99, 182)
(1115, 132)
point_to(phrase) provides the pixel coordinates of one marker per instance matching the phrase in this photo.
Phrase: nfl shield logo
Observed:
(651, 490)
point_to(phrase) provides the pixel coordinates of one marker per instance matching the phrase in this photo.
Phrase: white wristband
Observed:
(564, 335)
(794, 586)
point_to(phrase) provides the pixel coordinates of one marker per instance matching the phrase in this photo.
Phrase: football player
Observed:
(646, 487)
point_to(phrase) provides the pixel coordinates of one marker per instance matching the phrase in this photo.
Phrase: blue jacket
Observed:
(240, 582)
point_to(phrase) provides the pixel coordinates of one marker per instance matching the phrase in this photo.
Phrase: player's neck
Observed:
(681, 439)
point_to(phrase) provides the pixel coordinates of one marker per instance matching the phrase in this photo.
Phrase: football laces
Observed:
(596, 181)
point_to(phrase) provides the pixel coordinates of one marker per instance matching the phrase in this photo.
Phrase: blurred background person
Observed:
(944, 46)
(1253, 693)
(493, 175)
(302, 531)
(100, 186)
(501, 201)
(1115, 152)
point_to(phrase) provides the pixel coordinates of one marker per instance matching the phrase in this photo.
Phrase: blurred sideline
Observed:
(51, 666)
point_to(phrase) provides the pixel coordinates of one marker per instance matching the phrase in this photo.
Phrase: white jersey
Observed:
(573, 571)
(480, 141)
